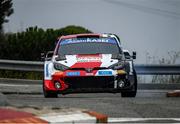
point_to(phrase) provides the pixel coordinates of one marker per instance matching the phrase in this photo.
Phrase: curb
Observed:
(175, 93)
(75, 117)
(14, 116)
(100, 118)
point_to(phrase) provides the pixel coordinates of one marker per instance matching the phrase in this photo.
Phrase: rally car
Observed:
(85, 63)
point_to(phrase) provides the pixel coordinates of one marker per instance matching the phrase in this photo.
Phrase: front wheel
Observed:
(49, 94)
(133, 92)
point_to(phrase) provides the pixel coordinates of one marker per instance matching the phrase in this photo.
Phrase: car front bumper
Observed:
(92, 83)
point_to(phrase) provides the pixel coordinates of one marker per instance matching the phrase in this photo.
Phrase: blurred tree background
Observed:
(28, 45)
(5, 11)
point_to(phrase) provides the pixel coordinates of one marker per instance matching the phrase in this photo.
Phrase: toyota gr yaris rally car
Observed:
(89, 63)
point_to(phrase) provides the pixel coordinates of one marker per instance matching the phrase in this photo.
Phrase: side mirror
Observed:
(134, 55)
(49, 55)
(126, 54)
(42, 56)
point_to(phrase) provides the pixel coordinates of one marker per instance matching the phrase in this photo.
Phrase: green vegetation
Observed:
(29, 44)
(21, 75)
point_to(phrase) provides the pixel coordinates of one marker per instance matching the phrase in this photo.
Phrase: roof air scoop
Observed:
(88, 36)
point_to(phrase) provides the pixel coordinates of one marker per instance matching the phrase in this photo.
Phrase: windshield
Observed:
(88, 46)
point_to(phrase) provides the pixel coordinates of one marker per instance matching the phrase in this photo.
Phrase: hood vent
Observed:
(116, 56)
(60, 58)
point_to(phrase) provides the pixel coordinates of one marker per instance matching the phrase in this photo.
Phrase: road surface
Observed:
(147, 104)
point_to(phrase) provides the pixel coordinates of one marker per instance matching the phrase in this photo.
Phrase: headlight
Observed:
(117, 66)
(61, 67)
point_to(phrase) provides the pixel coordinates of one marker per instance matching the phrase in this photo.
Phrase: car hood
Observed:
(89, 61)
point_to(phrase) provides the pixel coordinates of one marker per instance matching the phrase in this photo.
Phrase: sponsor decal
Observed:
(105, 72)
(88, 40)
(89, 58)
(75, 73)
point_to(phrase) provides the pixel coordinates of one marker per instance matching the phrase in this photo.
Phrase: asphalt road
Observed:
(147, 104)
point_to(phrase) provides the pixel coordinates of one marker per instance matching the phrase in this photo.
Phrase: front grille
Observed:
(90, 82)
(88, 69)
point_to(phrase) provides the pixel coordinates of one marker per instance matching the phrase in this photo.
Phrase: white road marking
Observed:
(121, 120)
(69, 118)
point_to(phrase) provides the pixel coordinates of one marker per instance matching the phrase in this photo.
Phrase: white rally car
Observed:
(84, 63)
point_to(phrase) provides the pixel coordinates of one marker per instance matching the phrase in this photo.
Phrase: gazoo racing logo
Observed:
(88, 58)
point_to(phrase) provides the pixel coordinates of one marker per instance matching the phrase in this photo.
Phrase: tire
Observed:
(49, 94)
(133, 92)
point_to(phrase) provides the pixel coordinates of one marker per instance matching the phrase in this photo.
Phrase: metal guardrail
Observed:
(21, 65)
(140, 68)
(157, 69)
